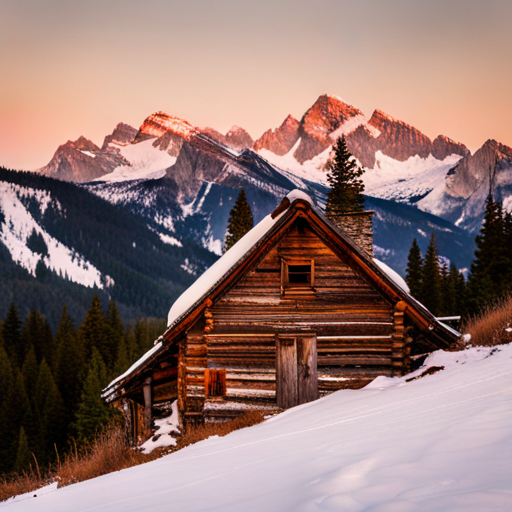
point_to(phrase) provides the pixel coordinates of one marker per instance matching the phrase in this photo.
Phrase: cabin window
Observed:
(215, 382)
(297, 276)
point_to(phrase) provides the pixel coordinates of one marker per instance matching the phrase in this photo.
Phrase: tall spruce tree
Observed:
(431, 295)
(11, 329)
(70, 366)
(23, 459)
(95, 333)
(50, 412)
(414, 270)
(240, 221)
(346, 194)
(92, 414)
(491, 266)
(8, 430)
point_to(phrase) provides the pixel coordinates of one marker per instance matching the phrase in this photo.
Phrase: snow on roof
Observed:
(394, 276)
(134, 366)
(222, 266)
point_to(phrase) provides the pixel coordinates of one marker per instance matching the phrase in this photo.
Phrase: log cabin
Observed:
(297, 309)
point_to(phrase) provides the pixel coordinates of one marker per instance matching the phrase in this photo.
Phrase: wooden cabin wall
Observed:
(359, 334)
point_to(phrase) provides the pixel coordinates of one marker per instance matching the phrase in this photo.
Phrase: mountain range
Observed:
(179, 183)
(402, 164)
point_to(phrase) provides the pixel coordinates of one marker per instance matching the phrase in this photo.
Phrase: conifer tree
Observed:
(70, 366)
(23, 455)
(346, 194)
(8, 431)
(30, 371)
(117, 333)
(50, 412)
(487, 280)
(414, 270)
(95, 333)
(431, 295)
(36, 332)
(11, 329)
(92, 414)
(240, 221)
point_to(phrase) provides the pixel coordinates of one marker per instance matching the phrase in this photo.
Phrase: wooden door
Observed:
(296, 370)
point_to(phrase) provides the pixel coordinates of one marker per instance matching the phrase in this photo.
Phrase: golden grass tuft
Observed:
(488, 328)
(109, 452)
(196, 433)
(19, 484)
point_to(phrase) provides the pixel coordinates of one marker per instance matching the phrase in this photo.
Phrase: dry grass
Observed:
(19, 484)
(194, 434)
(109, 452)
(488, 328)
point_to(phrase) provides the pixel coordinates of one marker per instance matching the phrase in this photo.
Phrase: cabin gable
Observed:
(263, 328)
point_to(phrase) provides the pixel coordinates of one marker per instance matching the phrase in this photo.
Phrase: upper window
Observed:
(297, 277)
(299, 274)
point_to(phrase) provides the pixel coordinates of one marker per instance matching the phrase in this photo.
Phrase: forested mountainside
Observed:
(60, 244)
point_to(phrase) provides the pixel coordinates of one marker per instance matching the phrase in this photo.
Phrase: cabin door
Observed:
(296, 370)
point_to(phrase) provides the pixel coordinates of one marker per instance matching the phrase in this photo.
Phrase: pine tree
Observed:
(30, 371)
(23, 456)
(346, 194)
(11, 334)
(492, 259)
(92, 414)
(117, 334)
(240, 221)
(8, 430)
(36, 332)
(431, 295)
(70, 366)
(414, 271)
(50, 412)
(95, 333)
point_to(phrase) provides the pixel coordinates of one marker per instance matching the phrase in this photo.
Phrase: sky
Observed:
(70, 68)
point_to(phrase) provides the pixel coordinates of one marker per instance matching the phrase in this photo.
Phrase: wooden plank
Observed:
(286, 372)
(148, 405)
(307, 369)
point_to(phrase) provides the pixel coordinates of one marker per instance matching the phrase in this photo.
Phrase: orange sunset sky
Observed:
(71, 68)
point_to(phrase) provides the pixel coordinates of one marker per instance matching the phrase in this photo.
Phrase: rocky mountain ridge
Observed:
(402, 164)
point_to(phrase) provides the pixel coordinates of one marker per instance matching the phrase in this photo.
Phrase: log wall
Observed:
(359, 334)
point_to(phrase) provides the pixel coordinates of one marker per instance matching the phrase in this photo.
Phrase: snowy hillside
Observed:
(19, 224)
(439, 443)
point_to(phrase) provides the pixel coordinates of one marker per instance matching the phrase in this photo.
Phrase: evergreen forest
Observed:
(445, 291)
(52, 380)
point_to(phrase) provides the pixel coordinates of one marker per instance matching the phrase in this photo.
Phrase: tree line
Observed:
(445, 291)
(52, 382)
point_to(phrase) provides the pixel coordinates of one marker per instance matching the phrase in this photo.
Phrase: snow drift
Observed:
(442, 442)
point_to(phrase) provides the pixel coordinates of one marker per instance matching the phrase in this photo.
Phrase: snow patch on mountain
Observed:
(146, 162)
(348, 126)
(312, 170)
(18, 226)
(170, 240)
(406, 181)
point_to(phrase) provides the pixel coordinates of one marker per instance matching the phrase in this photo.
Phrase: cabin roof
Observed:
(198, 294)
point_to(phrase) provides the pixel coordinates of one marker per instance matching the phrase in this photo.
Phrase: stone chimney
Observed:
(359, 227)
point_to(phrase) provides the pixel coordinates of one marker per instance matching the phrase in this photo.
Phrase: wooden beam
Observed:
(148, 405)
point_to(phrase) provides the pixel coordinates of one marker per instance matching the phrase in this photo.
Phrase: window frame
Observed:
(298, 288)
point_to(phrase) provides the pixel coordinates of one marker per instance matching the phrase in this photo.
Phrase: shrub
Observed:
(489, 327)
(195, 433)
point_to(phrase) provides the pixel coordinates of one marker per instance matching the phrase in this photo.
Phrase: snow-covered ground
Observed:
(439, 443)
